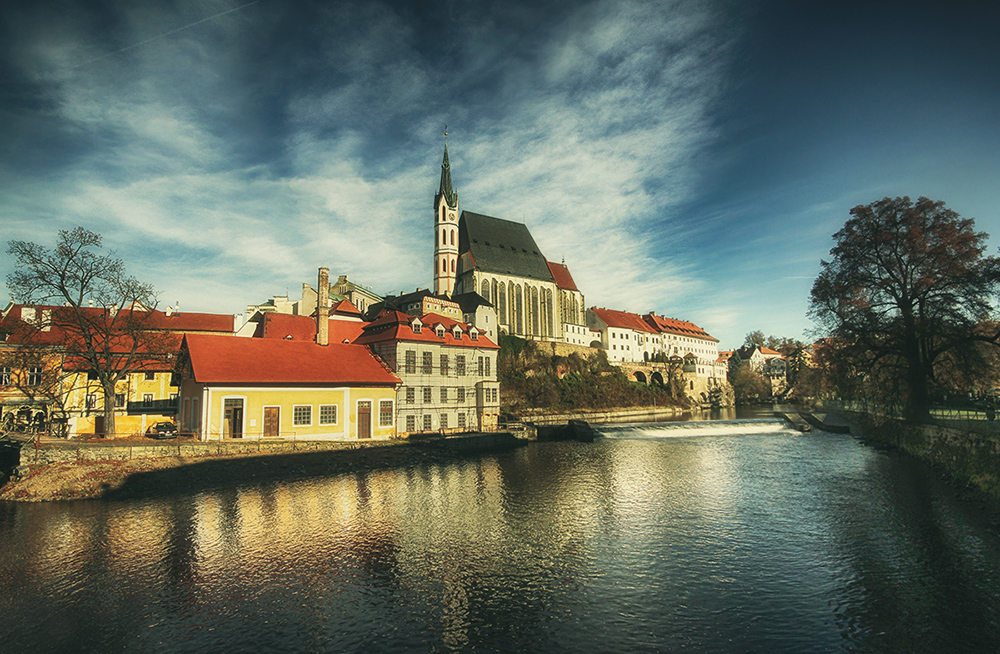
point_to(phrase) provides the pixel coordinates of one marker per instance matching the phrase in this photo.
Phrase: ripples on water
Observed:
(741, 537)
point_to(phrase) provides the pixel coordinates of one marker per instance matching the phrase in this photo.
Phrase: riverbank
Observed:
(91, 474)
(969, 455)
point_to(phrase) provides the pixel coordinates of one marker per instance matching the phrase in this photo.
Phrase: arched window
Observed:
(444, 265)
(484, 289)
(452, 265)
(534, 310)
(549, 331)
(453, 237)
(502, 304)
(517, 299)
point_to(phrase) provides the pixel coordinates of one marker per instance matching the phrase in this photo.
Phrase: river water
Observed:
(739, 536)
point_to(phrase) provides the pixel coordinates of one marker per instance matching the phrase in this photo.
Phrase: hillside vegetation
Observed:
(531, 378)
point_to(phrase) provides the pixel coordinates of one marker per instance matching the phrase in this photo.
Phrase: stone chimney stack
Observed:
(322, 310)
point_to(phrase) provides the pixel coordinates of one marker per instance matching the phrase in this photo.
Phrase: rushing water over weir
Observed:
(738, 536)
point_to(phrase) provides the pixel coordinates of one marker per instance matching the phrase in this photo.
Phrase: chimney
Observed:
(322, 310)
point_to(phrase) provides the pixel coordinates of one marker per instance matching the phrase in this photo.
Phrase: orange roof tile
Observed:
(397, 326)
(622, 320)
(678, 327)
(233, 360)
(560, 273)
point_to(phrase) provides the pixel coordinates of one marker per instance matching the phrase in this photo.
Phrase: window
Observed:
(302, 416)
(34, 376)
(147, 400)
(150, 376)
(445, 365)
(428, 363)
(474, 334)
(385, 413)
(460, 365)
(461, 420)
(487, 366)
(119, 399)
(411, 423)
(480, 366)
(411, 395)
(416, 327)
(444, 421)
(461, 394)
(411, 362)
(427, 395)
(4, 376)
(444, 394)
(91, 401)
(427, 422)
(327, 414)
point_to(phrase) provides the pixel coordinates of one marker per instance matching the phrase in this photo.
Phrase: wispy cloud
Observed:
(586, 135)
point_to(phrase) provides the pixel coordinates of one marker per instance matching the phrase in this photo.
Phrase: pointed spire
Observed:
(446, 190)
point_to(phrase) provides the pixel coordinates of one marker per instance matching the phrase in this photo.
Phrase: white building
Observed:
(448, 369)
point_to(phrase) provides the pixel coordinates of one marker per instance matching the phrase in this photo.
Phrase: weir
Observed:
(694, 428)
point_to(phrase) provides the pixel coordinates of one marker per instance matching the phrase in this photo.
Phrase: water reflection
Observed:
(729, 542)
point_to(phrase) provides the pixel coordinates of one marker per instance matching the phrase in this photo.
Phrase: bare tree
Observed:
(104, 315)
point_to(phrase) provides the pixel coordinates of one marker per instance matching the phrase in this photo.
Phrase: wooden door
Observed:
(364, 419)
(272, 421)
(233, 423)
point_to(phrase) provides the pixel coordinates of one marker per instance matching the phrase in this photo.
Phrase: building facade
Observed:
(233, 388)
(448, 371)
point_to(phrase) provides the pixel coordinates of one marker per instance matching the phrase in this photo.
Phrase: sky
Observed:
(691, 158)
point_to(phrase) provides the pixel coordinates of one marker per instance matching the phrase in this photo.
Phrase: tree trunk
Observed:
(109, 413)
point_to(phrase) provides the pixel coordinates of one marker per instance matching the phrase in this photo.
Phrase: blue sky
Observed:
(688, 158)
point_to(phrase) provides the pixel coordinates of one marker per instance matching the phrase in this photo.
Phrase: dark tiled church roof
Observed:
(501, 247)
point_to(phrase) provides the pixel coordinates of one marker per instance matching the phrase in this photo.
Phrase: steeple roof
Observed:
(446, 190)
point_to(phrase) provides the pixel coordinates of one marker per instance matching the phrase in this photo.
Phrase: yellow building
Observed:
(267, 388)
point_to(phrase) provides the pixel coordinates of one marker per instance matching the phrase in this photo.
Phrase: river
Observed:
(736, 536)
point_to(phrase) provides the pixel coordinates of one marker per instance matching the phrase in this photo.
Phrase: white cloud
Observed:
(585, 135)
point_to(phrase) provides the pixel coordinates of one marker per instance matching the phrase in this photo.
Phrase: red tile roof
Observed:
(397, 326)
(234, 360)
(194, 322)
(622, 320)
(286, 326)
(560, 273)
(678, 327)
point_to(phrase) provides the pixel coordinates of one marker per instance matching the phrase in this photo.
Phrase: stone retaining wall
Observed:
(968, 455)
(61, 453)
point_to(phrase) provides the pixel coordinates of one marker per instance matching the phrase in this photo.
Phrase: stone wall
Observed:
(63, 453)
(565, 349)
(967, 454)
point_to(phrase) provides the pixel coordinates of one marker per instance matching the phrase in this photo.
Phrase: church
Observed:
(498, 259)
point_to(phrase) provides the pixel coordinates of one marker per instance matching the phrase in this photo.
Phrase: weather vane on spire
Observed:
(446, 134)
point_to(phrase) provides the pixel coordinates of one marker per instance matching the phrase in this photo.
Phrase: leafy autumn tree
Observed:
(104, 314)
(754, 339)
(905, 295)
(749, 385)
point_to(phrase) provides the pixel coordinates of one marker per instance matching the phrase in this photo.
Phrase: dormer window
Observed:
(457, 333)
(474, 334)
(439, 331)
(416, 326)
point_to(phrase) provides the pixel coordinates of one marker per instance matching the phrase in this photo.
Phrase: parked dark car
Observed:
(162, 430)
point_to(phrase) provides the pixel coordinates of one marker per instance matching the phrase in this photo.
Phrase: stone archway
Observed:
(656, 378)
(639, 376)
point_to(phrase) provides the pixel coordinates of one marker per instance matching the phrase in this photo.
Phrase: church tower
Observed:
(445, 231)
